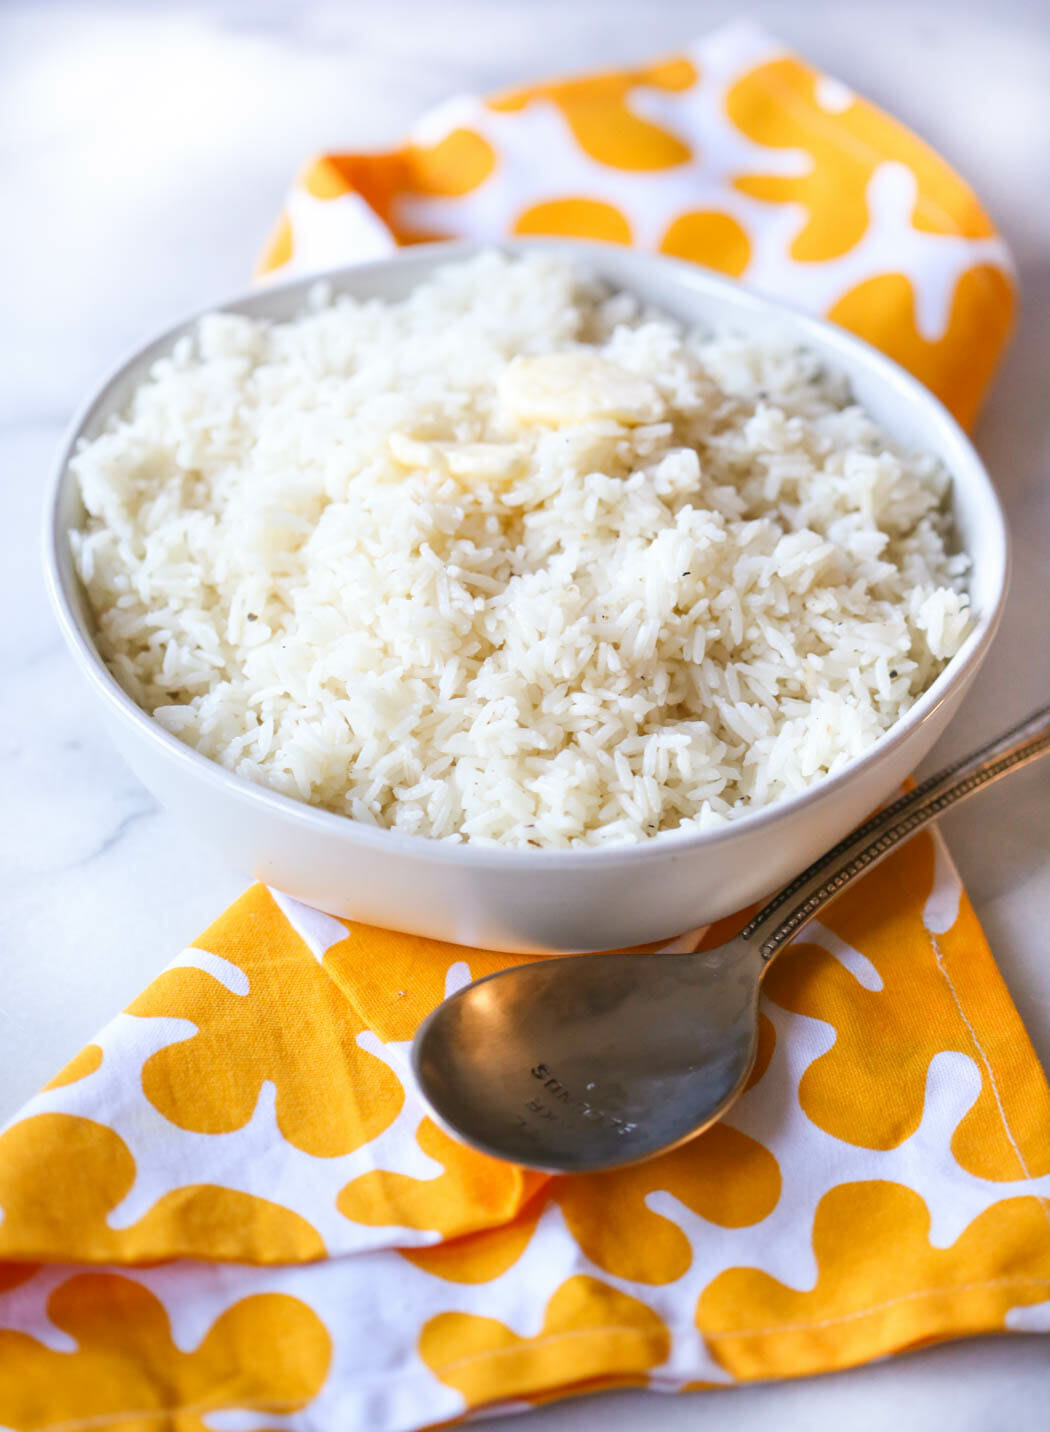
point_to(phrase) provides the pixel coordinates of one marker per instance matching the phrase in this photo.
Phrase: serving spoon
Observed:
(588, 1062)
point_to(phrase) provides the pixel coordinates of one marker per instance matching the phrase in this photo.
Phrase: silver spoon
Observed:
(588, 1062)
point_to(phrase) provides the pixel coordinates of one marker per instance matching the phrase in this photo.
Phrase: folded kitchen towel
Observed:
(230, 1212)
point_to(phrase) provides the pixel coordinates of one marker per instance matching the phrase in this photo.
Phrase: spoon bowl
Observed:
(589, 1062)
(508, 1058)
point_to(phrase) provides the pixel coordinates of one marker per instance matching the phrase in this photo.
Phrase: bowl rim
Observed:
(511, 859)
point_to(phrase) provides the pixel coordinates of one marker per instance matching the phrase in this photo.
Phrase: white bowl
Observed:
(534, 900)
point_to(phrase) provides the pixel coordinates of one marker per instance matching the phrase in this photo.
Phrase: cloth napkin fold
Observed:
(230, 1212)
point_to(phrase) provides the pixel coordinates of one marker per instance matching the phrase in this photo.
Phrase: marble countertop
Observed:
(146, 151)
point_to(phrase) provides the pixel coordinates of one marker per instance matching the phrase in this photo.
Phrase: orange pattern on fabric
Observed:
(959, 365)
(395, 980)
(588, 1388)
(13, 1275)
(326, 178)
(708, 237)
(725, 1177)
(79, 1067)
(472, 1191)
(61, 1176)
(332, 1096)
(378, 178)
(588, 1329)
(777, 105)
(279, 248)
(598, 111)
(869, 1089)
(267, 1353)
(981, 1144)
(576, 218)
(460, 162)
(879, 1278)
(479, 1257)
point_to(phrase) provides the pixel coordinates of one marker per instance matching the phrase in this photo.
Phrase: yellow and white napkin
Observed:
(230, 1212)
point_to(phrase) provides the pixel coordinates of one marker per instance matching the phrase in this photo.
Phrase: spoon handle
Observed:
(784, 916)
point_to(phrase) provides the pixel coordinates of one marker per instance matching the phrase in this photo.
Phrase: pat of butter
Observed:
(557, 389)
(411, 452)
(470, 462)
(484, 462)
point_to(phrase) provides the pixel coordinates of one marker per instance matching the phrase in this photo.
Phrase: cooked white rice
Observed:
(684, 577)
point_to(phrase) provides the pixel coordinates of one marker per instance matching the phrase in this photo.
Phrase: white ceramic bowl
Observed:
(547, 900)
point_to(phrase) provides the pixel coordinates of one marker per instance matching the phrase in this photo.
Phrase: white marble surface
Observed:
(145, 151)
